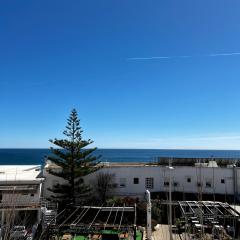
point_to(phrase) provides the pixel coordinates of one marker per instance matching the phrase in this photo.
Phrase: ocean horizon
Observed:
(37, 155)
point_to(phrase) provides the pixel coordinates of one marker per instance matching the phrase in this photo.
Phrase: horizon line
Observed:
(115, 148)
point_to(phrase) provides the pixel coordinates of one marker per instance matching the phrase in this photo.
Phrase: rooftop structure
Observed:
(20, 185)
(20, 196)
(206, 218)
(15, 173)
(208, 209)
(205, 162)
(94, 222)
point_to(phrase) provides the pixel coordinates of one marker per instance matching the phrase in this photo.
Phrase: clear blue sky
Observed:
(107, 59)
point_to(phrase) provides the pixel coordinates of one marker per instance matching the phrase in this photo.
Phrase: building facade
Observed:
(132, 179)
(20, 191)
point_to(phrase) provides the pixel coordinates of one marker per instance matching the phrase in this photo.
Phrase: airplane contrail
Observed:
(184, 56)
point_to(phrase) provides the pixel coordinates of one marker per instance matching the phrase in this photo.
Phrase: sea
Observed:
(38, 156)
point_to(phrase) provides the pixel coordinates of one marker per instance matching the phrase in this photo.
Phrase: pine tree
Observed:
(76, 161)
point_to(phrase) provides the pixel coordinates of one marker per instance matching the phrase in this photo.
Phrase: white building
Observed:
(132, 179)
(20, 189)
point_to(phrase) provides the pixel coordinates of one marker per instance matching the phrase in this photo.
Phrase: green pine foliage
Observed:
(75, 158)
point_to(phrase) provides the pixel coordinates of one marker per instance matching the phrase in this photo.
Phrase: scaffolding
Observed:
(88, 221)
(208, 208)
(208, 217)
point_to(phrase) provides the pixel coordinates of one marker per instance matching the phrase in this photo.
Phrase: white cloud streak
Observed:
(183, 56)
(221, 142)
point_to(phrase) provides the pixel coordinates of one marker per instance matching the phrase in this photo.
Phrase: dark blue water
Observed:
(36, 156)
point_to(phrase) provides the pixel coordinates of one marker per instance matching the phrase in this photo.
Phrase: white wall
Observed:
(160, 174)
(179, 176)
(49, 182)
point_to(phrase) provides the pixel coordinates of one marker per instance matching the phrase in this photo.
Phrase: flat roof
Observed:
(179, 162)
(126, 164)
(51, 165)
(15, 173)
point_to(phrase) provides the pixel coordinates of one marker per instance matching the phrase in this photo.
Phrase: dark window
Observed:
(149, 183)
(175, 184)
(208, 185)
(166, 183)
(122, 182)
(189, 179)
(135, 180)
(222, 181)
(199, 184)
(32, 194)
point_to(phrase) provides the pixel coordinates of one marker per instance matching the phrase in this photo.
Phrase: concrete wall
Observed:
(218, 180)
(213, 179)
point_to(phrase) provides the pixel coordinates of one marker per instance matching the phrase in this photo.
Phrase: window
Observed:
(122, 182)
(135, 180)
(149, 183)
(199, 184)
(175, 184)
(223, 181)
(188, 179)
(166, 183)
(208, 184)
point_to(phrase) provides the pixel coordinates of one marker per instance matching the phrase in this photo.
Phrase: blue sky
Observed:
(122, 65)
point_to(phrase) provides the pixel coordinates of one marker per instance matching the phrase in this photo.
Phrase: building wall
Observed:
(184, 179)
(20, 198)
(49, 182)
(156, 178)
(26, 197)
